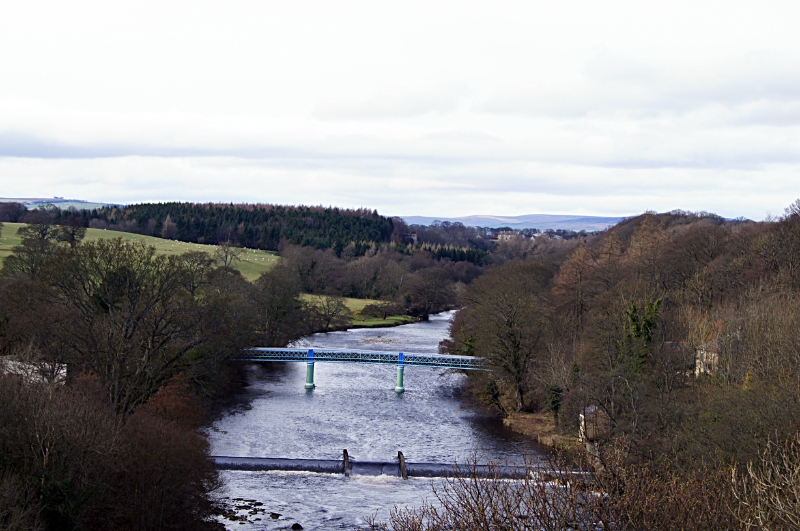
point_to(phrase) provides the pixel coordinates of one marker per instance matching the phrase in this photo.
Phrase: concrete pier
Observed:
(399, 388)
(310, 370)
(402, 460)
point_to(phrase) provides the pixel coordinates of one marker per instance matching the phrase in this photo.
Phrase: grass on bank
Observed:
(252, 264)
(373, 322)
(542, 428)
(357, 321)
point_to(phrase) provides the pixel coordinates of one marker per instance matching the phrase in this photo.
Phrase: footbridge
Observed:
(311, 356)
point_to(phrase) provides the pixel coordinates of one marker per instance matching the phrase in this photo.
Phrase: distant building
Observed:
(410, 238)
(706, 358)
(505, 235)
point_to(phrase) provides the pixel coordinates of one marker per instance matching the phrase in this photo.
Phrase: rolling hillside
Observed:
(253, 263)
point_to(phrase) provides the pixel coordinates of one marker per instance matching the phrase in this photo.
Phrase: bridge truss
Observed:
(400, 359)
(444, 361)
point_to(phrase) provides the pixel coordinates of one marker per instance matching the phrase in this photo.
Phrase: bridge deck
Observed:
(362, 356)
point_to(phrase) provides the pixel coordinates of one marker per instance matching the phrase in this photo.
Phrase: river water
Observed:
(353, 407)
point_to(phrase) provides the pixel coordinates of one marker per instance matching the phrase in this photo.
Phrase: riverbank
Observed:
(389, 322)
(541, 427)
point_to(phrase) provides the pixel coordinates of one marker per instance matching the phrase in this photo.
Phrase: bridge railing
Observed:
(311, 356)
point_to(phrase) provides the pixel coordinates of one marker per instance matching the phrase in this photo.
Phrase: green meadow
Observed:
(357, 321)
(253, 262)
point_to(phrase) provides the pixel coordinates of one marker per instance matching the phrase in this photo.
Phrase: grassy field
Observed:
(356, 305)
(252, 264)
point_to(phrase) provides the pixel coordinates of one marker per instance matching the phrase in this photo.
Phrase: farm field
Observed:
(356, 305)
(253, 262)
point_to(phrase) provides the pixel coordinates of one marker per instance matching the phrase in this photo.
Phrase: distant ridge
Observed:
(529, 221)
(60, 202)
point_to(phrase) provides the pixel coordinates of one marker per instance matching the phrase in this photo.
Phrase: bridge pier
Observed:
(310, 370)
(399, 388)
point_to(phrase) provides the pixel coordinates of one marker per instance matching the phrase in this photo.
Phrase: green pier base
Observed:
(310, 376)
(399, 388)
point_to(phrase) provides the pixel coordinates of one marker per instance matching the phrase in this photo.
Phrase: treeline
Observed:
(455, 254)
(671, 344)
(456, 234)
(349, 233)
(414, 280)
(260, 226)
(445, 233)
(253, 226)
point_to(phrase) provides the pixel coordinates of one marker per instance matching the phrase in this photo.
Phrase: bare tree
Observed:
(332, 311)
(282, 314)
(133, 319)
(510, 322)
(40, 224)
(430, 291)
(769, 491)
(168, 229)
(72, 230)
(228, 252)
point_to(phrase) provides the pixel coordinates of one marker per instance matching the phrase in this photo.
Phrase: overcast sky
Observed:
(412, 108)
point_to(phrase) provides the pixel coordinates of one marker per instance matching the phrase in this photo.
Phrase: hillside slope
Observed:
(253, 262)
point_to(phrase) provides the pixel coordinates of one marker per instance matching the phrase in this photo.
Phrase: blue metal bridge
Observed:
(311, 356)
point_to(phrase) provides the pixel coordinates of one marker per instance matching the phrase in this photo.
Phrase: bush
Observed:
(769, 491)
(557, 496)
(69, 461)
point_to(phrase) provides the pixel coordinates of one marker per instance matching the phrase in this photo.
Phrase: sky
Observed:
(436, 108)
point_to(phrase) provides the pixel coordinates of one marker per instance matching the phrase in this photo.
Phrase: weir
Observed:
(311, 356)
(352, 467)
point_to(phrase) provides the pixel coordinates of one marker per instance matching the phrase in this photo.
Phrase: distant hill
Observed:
(60, 202)
(529, 221)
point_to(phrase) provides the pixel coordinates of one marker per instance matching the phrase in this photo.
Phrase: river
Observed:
(353, 407)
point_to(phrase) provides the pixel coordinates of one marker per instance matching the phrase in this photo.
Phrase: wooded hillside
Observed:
(253, 226)
(670, 344)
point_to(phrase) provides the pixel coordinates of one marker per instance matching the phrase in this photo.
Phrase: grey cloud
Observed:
(414, 187)
(619, 88)
(17, 144)
(440, 150)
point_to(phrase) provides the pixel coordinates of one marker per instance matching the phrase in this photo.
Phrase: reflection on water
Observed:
(355, 407)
